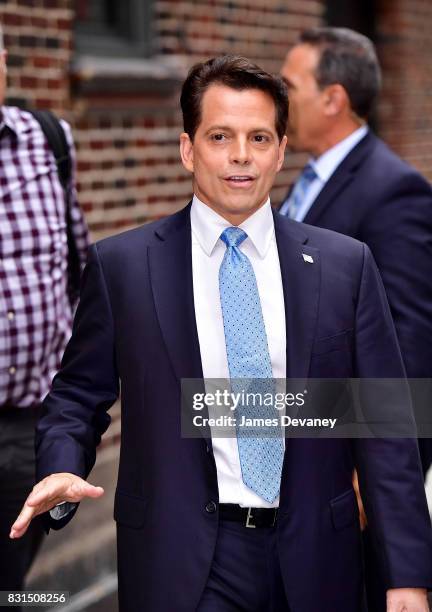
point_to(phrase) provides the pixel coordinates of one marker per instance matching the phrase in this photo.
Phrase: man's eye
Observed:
(218, 137)
(260, 138)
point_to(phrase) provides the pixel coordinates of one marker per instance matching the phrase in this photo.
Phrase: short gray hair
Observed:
(348, 58)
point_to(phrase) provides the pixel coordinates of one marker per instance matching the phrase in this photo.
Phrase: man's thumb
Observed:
(86, 489)
(95, 491)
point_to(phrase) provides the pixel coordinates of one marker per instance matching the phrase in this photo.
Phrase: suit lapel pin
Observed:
(307, 258)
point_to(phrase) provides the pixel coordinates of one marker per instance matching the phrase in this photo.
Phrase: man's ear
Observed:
(186, 151)
(281, 152)
(336, 99)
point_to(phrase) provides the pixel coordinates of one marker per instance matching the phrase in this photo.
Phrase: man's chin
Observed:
(242, 209)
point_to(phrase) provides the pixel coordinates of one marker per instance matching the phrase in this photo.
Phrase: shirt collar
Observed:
(11, 119)
(326, 164)
(207, 226)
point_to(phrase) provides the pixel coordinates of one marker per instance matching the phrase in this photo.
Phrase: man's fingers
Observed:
(65, 490)
(49, 489)
(40, 499)
(49, 492)
(46, 494)
(22, 522)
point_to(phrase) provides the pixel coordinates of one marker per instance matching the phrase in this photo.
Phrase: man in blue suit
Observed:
(354, 184)
(226, 288)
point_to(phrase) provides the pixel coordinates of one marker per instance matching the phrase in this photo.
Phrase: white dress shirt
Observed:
(325, 165)
(207, 254)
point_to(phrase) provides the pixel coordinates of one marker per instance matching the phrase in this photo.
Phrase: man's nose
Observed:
(240, 152)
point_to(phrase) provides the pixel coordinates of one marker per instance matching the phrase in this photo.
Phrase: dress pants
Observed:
(245, 574)
(17, 477)
(374, 581)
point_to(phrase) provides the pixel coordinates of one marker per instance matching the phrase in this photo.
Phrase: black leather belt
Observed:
(250, 517)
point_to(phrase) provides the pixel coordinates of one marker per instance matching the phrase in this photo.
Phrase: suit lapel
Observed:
(340, 179)
(170, 264)
(331, 189)
(301, 287)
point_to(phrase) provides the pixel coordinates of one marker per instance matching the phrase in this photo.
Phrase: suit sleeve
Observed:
(389, 470)
(74, 413)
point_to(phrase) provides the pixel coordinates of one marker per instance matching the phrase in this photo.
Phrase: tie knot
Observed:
(308, 173)
(233, 236)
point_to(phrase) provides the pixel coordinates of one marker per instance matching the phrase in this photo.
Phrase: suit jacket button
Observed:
(211, 507)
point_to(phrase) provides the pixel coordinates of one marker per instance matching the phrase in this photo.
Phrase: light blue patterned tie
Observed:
(292, 204)
(261, 454)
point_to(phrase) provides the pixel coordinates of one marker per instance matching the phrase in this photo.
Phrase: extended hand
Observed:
(47, 493)
(407, 600)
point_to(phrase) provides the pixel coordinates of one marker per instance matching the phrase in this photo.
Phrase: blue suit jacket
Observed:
(136, 322)
(377, 198)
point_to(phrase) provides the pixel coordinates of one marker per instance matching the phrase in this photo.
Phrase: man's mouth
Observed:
(239, 179)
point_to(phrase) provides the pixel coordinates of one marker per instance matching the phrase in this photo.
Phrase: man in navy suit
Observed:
(202, 524)
(354, 184)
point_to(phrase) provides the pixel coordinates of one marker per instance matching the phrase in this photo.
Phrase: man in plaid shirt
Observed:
(35, 308)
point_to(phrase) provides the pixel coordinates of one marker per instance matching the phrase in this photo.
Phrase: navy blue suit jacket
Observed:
(136, 322)
(377, 198)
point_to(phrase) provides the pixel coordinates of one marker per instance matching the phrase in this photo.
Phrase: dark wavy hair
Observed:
(238, 73)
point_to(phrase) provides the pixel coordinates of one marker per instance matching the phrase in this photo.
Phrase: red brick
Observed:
(44, 62)
(43, 102)
(97, 145)
(64, 25)
(39, 22)
(55, 84)
(28, 82)
(13, 19)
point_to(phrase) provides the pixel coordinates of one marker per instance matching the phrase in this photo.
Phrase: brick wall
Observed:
(405, 112)
(38, 37)
(128, 166)
(259, 29)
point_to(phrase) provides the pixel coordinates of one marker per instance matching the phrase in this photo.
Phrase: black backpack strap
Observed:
(56, 138)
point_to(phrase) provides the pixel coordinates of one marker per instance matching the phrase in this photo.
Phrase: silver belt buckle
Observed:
(249, 518)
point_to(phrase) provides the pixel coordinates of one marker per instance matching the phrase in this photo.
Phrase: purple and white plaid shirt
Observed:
(35, 312)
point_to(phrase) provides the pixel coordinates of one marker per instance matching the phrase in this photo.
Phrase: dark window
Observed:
(352, 14)
(113, 28)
